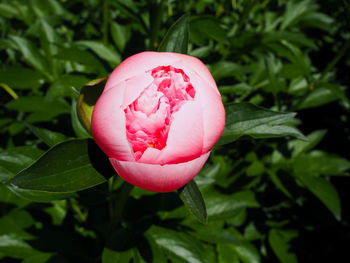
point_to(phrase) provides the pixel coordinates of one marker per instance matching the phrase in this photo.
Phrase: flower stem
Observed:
(117, 204)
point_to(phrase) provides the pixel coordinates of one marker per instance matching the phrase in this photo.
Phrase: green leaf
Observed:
(15, 159)
(179, 246)
(225, 69)
(83, 61)
(118, 246)
(300, 147)
(324, 190)
(320, 163)
(30, 54)
(37, 258)
(221, 207)
(104, 51)
(30, 79)
(322, 94)
(176, 39)
(35, 104)
(193, 200)
(247, 252)
(67, 167)
(15, 247)
(7, 10)
(227, 253)
(206, 27)
(279, 241)
(63, 86)
(295, 11)
(120, 35)
(111, 256)
(36, 195)
(8, 197)
(49, 137)
(14, 224)
(248, 119)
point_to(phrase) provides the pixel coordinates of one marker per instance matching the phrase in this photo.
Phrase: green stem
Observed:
(10, 91)
(117, 204)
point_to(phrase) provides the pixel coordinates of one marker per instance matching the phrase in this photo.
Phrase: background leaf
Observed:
(176, 39)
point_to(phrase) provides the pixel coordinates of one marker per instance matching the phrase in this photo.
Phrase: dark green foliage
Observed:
(267, 194)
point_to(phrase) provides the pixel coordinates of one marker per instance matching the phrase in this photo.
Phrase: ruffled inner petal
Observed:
(150, 116)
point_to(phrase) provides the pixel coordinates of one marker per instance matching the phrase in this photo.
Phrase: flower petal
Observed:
(212, 108)
(203, 72)
(138, 64)
(158, 178)
(185, 138)
(134, 86)
(108, 124)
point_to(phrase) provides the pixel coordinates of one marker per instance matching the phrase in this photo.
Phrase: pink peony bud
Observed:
(158, 118)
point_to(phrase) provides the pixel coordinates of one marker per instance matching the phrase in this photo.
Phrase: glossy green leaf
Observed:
(39, 104)
(227, 254)
(15, 159)
(279, 241)
(225, 69)
(30, 79)
(68, 167)
(322, 94)
(248, 119)
(50, 138)
(321, 163)
(247, 252)
(206, 27)
(15, 247)
(63, 86)
(221, 207)
(7, 10)
(104, 51)
(15, 222)
(120, 35)
(300, 147)
(193, 200)
(176, 39)
(110, 256)
(295, 12)
(83, 60)
(8, 197)
(30, 54)
(324, 190)
(179, 246)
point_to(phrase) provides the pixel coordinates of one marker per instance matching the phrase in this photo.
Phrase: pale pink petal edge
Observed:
(159, 178)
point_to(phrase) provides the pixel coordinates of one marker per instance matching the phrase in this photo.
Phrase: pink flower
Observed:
(158, 118)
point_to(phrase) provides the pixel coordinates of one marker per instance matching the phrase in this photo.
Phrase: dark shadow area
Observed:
(99, 160)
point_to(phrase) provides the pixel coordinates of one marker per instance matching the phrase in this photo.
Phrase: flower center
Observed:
(149, 117)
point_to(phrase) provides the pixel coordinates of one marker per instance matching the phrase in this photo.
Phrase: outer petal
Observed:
(159, 178)
(185, 138)
(203, 72)
(211, 106)
(138, 64)
(108, 124)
